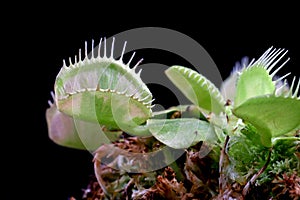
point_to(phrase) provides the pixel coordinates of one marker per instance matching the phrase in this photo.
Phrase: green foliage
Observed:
(255, 132)
(199, 90)
(248, 155)
(277, 115)
(188, 132)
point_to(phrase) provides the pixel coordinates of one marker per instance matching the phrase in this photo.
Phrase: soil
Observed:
(191, 177)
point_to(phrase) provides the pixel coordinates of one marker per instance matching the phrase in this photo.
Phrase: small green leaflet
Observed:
(182, 132)
(199, 90)
(272, 116)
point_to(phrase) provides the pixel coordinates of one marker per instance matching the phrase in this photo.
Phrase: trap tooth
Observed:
(199, 80)
(281, 78)
(92, 57)
(112, 48)
(190, 74)
(136, 65)
(99, 48)
(79, 56)
(75, 61)
(271, 56)
(52, 95)
(185, 71)
(150, 107)
(269, 60)
(50, 103)
(123, 51)
(148, 102)
(146, 97)
(128, 64)
(280, 67)
(297, 89)
(278, 90)
(85, 51)
(64, 64)
(139, 72)
(104, 56)
(70, 62)
(290, 93)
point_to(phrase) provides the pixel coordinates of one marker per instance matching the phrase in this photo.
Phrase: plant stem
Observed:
(255, 176)
(98, 172)
(170, 159)
(224, 160)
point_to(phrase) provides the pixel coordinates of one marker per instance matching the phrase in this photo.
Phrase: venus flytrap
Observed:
(90, 89)
(251, 118)
(256, 102)
(255, 90)
(261, 95)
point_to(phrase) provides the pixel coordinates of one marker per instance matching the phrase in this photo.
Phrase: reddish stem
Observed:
(255, 176)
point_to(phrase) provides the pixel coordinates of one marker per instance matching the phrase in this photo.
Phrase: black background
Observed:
(35, 165)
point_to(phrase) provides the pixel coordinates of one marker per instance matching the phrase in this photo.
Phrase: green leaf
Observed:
(181, 133)
(272, 116)
(199, 90)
